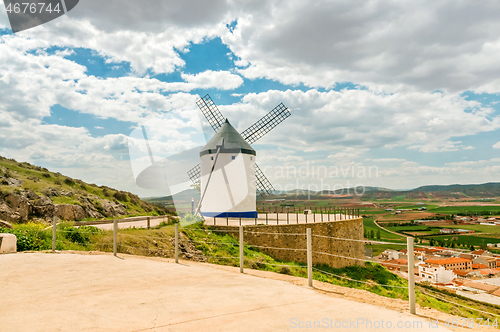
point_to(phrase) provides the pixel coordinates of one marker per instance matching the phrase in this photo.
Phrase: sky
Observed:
(392, 94)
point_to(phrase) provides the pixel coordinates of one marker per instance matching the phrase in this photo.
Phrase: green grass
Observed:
(369, 225)
(477, 228)
(473, 209)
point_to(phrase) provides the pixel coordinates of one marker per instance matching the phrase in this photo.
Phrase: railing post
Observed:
(306, 217)
(297, 215)
(149, 222)
(309, 258)
(411, 274)
(277, 218)
(215, 220)
(287, 217)
(266, 218)
(115, 235)
(177, 242)
(240, 219)
(227, 219)
(314, 217)
(241, 249)
(54, 231)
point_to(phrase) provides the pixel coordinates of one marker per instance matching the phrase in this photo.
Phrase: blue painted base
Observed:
(247, 214)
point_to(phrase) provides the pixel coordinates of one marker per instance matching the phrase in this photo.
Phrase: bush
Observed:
(285, 270)
(121, 196)
(69, 181)
(30, 236)
(80, 235)
(46, 175)
(58, 182)
(134, 199)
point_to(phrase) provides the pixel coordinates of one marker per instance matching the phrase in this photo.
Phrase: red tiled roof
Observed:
(479, 266)
(451, 260)
(480, 285)
(461, 273)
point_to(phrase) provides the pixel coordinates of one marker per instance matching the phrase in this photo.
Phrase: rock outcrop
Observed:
(70, 212)
(11, 182)
(22, 205)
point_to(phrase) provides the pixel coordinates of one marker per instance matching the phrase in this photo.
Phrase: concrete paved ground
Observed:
(73, 292)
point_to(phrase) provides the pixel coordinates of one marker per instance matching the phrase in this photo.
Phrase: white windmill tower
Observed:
(228, 173)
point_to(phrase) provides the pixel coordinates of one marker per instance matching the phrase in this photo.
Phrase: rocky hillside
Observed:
(30, 192)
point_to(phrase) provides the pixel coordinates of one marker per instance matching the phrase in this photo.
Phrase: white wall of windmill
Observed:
(232, 185)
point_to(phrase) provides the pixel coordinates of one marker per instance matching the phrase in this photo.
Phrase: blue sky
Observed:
(81, 84)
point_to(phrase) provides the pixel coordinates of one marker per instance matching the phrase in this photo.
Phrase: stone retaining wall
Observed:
(346, 229)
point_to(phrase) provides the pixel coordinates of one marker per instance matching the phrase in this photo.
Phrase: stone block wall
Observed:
(274, 236)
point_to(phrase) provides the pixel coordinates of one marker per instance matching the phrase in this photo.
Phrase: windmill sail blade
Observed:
(195, 174)
(211, 112)
(266, 124)
(262, 184)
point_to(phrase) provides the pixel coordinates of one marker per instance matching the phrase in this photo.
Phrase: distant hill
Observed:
(29, 192)
(183, 196)
(485, 190)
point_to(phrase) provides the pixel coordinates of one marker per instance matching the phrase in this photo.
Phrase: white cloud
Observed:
(363, 119)
(496, 145)
(425, 45)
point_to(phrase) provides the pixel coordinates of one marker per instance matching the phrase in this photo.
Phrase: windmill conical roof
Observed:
(229, 140)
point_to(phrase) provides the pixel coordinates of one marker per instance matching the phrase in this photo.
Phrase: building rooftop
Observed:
(451, 260)
(229, 140)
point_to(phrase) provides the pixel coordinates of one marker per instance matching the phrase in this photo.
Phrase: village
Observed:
(474, 274)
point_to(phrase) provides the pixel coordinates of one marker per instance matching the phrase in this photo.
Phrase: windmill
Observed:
(224, 145)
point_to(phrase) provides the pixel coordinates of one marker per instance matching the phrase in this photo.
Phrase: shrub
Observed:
(105, 192)
(69, 181)
(47, 175)
(58, 182)
(134, 199)
(121, 196)
(30, 236)
(285, 270)
(80, 235)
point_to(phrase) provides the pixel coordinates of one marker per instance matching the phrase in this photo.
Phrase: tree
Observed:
(471, 248)
(372, 234)
(431, 242)
(365, 234)
(378, 234)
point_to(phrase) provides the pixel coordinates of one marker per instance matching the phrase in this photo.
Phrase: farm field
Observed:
(369, 225)
(492, 209)
(468, 240)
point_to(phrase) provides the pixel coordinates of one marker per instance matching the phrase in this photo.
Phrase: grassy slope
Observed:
(39, 179)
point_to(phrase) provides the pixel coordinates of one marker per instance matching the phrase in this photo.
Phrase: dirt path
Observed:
(376, 223)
